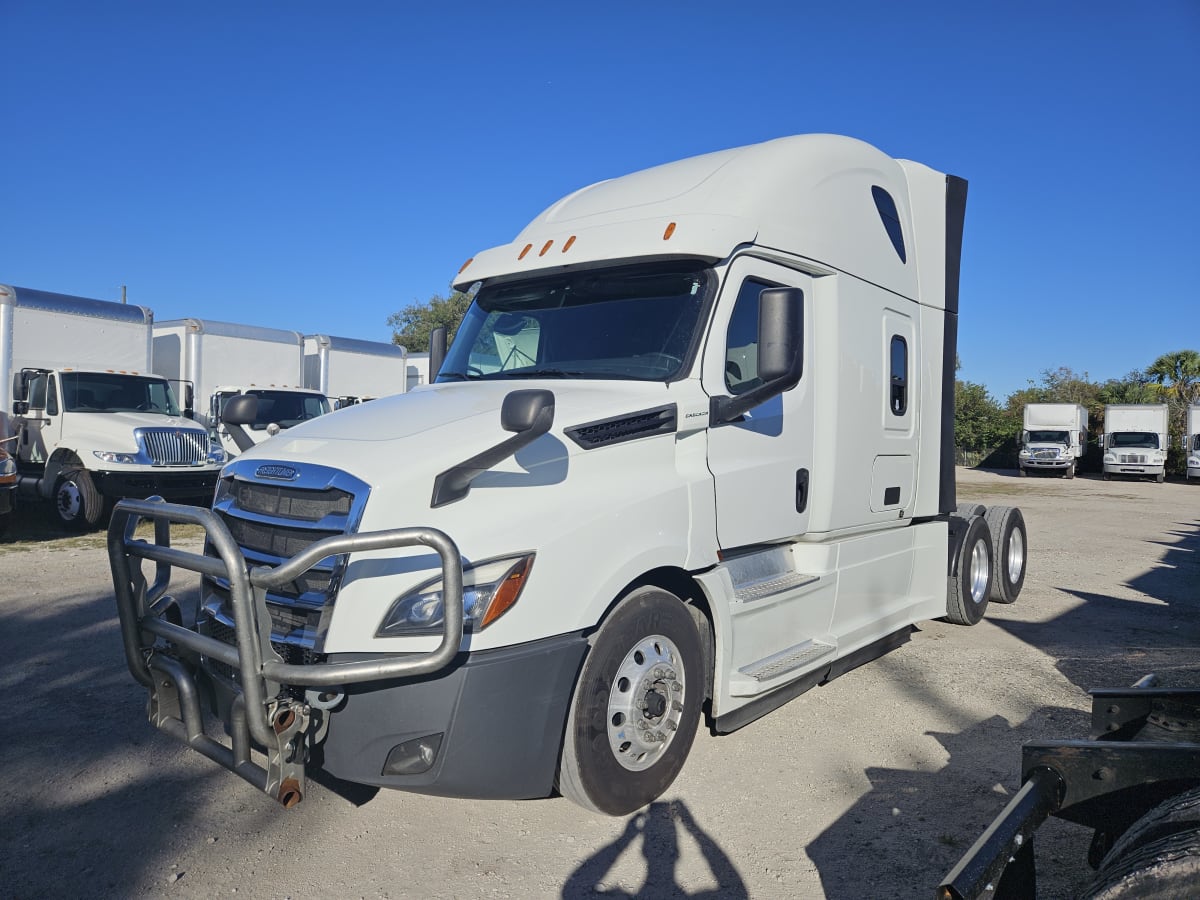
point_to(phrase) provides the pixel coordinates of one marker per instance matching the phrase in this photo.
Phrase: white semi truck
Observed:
(689, 455)
(91, 422)
(350, 371)
(225, 359)
(1135, 440)
(1054, 438)
(1191, 442)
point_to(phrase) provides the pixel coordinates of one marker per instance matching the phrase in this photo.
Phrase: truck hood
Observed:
(447, 423)
(114, 431)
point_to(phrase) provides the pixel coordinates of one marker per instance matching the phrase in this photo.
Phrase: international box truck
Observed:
(91, 422)
(225, 359)
(1054, 438)
(689, 455)
(350, 371)
(1135, 440)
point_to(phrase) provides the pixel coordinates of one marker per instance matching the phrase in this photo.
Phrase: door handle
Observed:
(801, 490)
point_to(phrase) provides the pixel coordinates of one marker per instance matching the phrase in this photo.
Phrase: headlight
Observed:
(489, 590)
(113, 456)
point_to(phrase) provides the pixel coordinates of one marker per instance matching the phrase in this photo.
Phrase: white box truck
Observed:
(1135, 440)
(225, 359)
(1054, 438)
(350, 371)
(1191, 442)
(689, 455)
(91, 422)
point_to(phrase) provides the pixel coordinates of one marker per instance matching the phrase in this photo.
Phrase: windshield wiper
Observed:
(543, 373)
(461, 376)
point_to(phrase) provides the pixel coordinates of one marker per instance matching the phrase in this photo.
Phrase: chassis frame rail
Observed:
(1106, 783)
(162, 654)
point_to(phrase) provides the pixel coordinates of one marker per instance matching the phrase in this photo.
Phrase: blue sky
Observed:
(318, 166)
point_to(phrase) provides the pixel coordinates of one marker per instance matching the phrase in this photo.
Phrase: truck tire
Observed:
(636, 706)
(76, 500)
(1162, 868)
(970, 580)
(1175, 814)
(1021, 470)
(1069, 471)
(1006, 526)
(1161, 477)
(966, 510)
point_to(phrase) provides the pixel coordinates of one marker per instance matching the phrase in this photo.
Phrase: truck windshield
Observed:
(108, 392)
(1141, 439)
(636, 323)
(284, 408)
(1049, 437)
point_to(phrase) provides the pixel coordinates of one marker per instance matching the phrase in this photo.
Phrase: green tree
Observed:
(1178, 376)
(979, 423)
(412, 325)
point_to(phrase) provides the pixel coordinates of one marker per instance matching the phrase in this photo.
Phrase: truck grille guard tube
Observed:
(262, 713)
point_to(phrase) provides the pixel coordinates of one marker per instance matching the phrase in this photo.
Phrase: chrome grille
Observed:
(271, 522)
(1133, 458)
(175, 446)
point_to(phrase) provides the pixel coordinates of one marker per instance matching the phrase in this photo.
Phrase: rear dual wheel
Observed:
(1006, 526)
(636, 705)
(970, 582)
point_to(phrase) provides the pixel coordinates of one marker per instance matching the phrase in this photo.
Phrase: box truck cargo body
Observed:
(689, 455)
(1054, 438)
(91, 421)
(1135, 440)
(225, 359)
(350, 371)
(1191, 442)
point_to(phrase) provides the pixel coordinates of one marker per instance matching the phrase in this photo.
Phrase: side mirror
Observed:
(20, 407)
(528, 413)
(780, 353)
(437, 351)
(189, 400)
(240, 410)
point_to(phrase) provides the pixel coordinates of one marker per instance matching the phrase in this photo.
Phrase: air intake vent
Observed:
(624, 428)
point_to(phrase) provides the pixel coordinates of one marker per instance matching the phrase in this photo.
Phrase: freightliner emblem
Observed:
(278, 473)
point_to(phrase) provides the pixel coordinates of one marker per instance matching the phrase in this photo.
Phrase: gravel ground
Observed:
(870, 787)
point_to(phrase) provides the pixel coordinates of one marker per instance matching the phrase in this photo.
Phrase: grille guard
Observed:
(261, 713)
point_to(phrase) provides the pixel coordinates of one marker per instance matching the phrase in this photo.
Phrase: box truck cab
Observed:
(689, 455)
(92, 423)
(1054, 438)
(1135, 440)
(225, 359)
(1191, 442)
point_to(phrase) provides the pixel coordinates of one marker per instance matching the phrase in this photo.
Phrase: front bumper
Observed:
(178, 483)
(1047, 463)
(278, 708)
(1133, 469)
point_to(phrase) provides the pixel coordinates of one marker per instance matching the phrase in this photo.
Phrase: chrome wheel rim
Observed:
(645, 703)
(1016, 556)
(69, 501)
(979, 572)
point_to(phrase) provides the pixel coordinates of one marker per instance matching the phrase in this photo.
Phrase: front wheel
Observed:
(636, 706)
(76, 500)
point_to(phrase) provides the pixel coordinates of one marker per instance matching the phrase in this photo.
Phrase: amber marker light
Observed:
(528, 247)
(670, 231)
(567, 245)
(464, 265)
(546, 247)
(507, 592)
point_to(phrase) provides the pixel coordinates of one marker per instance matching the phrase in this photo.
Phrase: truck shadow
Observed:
(1128, 638)
(860, 855)
(658, 828)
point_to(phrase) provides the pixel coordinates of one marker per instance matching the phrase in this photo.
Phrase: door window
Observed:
(741, 339)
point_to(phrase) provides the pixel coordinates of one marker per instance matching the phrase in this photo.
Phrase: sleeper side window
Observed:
(886, 207)
(899, 376)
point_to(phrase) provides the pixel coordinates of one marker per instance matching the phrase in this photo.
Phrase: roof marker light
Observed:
(528, 247)
(567, 245)
(546, 247)
(670, 231)
(464, 265)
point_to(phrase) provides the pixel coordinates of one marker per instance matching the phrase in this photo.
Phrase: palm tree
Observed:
(1179, 374)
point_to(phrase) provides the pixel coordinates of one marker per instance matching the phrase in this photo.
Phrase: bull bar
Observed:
(261, 713)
